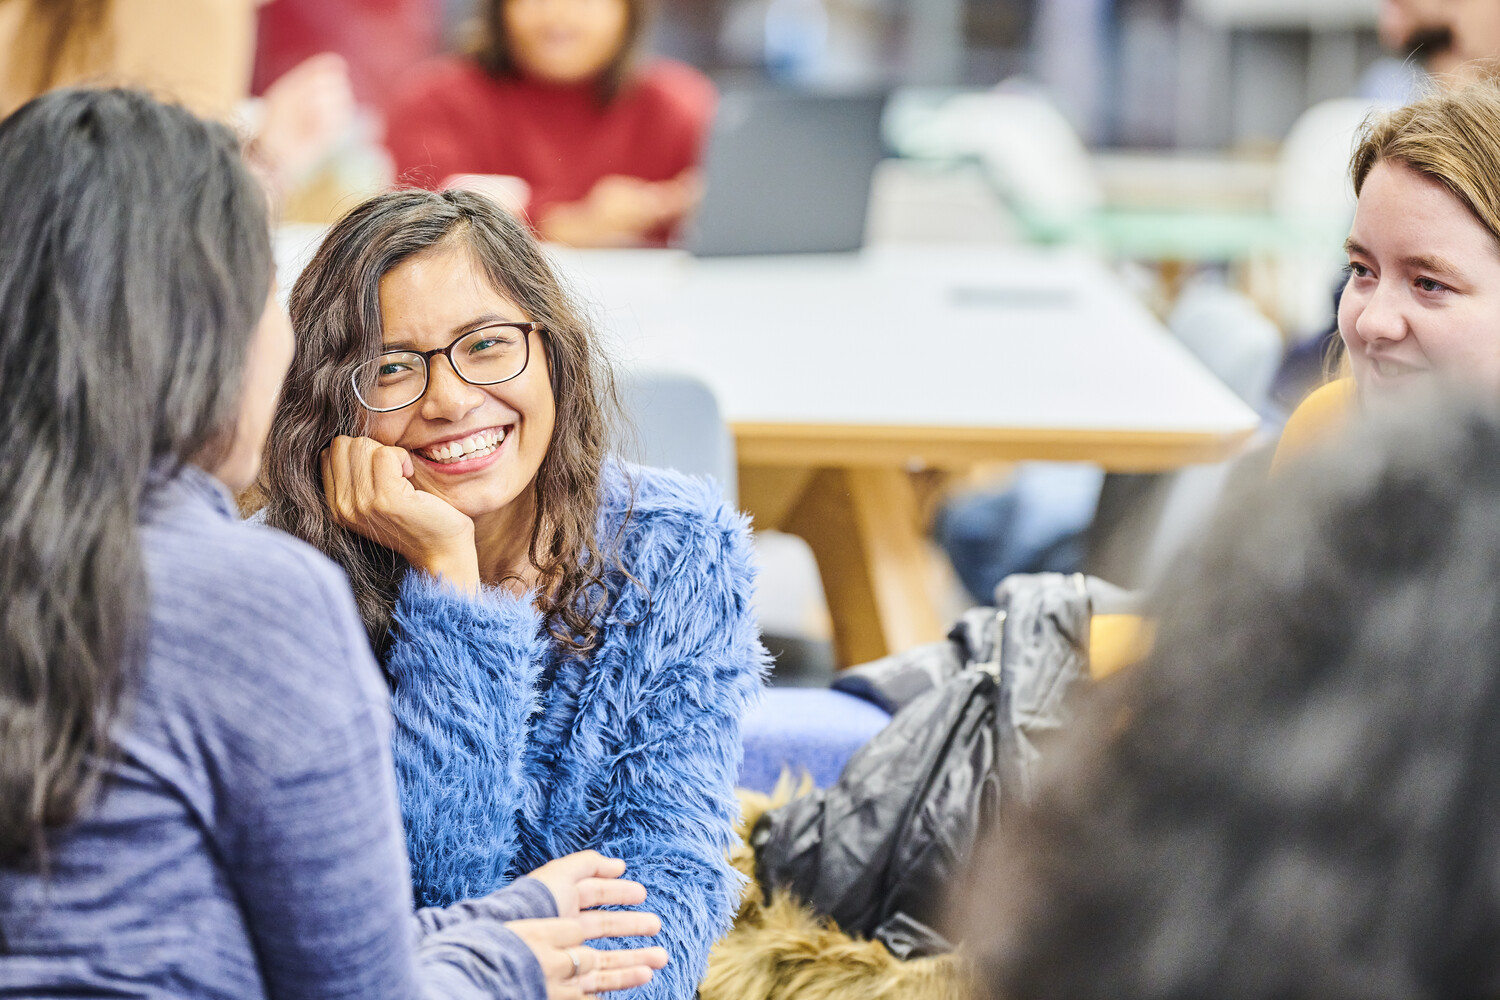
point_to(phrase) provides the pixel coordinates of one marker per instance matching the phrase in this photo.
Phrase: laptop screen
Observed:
(787, 172)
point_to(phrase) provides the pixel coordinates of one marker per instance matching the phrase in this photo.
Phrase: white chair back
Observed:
(1312, 193)
(1031, 153)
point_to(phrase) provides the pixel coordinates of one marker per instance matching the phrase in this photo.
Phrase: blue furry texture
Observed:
(509, 753)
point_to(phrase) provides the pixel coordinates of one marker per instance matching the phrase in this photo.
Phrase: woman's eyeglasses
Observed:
(486, 356)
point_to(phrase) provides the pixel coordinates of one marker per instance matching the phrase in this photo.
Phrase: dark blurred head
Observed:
(135, 265)
(563, 41)
(1298, 794)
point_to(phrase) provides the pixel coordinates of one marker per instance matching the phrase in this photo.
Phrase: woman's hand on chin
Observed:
(369, 491)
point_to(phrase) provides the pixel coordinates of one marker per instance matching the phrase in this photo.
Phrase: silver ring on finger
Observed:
(572, 954)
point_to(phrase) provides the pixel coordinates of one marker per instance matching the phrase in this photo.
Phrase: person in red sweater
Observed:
(607, 148)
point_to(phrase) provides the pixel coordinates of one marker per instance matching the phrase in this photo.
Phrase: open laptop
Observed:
(787, 172)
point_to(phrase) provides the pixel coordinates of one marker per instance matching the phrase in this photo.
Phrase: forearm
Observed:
(523, 899)
(574, 224)
(672, 822)
(479, 959)
(701, 662)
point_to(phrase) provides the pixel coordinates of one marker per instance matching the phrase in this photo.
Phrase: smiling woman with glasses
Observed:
(569, 639)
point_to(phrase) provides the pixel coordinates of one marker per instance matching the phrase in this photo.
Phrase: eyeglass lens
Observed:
(483, 357)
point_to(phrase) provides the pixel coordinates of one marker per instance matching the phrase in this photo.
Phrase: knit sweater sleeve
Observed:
(693, 668)
(464, 672)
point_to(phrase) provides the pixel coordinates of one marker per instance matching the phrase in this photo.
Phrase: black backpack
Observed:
(879, 850)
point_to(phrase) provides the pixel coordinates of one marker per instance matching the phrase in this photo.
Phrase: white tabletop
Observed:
(959, 337)
(968, 338)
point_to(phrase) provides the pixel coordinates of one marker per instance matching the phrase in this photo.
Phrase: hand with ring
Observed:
(580, 882)
(574, 971)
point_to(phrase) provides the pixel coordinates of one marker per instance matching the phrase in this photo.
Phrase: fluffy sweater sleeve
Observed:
(464, 675)
(681, 680)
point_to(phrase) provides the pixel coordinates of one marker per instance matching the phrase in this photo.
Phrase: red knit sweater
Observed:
(453, 118)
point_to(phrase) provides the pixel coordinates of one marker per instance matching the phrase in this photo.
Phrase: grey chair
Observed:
(673, 422)
(1144, 521)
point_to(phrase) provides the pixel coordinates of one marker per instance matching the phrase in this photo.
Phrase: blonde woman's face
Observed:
(1423, 295)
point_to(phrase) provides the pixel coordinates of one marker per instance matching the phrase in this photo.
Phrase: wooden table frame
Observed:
(848, 493)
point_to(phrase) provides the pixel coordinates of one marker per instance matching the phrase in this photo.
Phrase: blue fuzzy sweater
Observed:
(509, 754)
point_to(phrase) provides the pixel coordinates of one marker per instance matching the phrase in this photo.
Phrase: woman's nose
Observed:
(1382, 317)
(448, 397)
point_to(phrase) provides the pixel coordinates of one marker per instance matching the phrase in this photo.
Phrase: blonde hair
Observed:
(1451, 136)
(56, 42)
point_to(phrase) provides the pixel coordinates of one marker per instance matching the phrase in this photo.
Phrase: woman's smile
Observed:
(464, 453)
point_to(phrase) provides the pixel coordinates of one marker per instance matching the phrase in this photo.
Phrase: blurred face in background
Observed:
(1476, 28)
(1410, 26)
(566, 41)
(1423, 296)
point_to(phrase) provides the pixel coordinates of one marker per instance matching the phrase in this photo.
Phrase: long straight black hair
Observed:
(134, 266)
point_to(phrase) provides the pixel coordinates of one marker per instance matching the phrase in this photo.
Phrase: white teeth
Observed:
(1392, 369)
(473, 446)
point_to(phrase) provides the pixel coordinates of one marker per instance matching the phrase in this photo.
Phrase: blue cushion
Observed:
(805, 729)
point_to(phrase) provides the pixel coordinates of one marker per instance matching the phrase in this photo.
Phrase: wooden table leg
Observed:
(862, 525)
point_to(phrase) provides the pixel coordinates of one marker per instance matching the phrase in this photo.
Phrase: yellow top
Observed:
(1319, 416)
(1117, 641)
(196, 52)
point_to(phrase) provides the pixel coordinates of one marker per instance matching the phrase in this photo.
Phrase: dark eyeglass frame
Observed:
(526, 328)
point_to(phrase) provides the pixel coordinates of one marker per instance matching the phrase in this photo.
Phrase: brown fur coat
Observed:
(780, 950)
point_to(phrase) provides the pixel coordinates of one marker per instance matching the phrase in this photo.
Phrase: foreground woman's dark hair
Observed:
(1298, 795)
(134, 265)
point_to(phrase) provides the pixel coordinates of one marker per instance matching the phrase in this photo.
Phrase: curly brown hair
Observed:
(335, 310)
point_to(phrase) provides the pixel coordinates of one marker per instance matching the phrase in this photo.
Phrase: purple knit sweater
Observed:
(248, 842)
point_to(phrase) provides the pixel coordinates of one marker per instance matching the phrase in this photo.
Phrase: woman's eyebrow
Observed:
(467, 326)
(1414, 262)
(479, 321)
(1430, 262)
